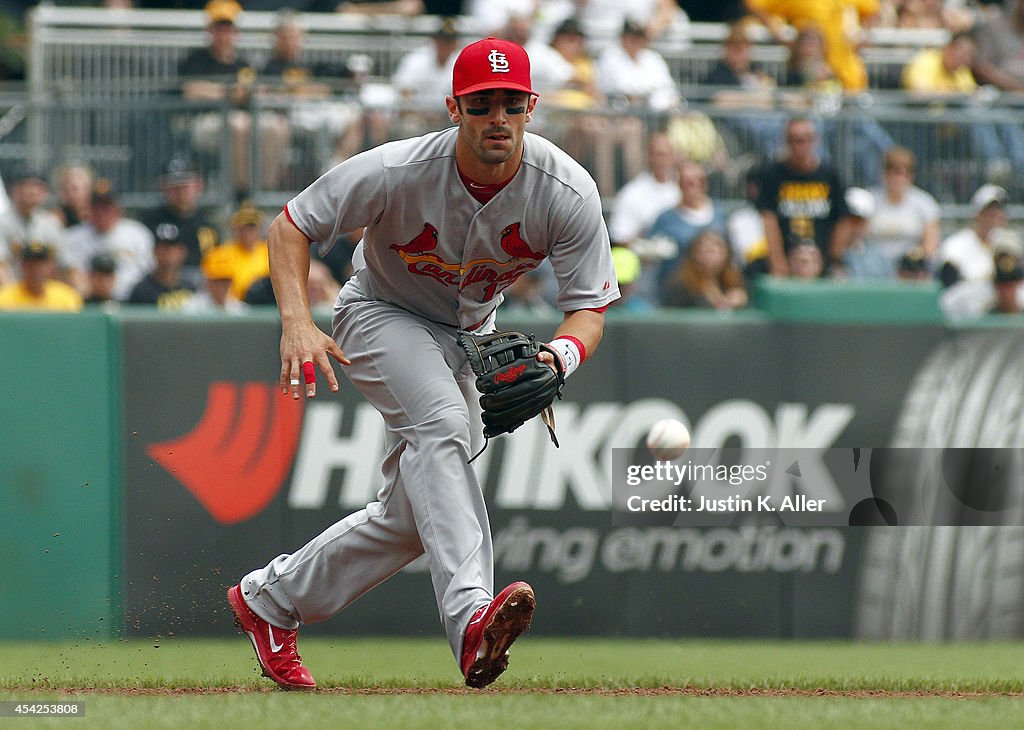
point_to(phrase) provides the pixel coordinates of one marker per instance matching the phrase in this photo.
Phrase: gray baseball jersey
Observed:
(432, 249)
(432, 259)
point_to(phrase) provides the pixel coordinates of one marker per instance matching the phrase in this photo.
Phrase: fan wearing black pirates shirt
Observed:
(182, 187)
(803, 198)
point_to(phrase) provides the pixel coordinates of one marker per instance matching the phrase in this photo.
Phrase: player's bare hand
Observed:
(304, 349)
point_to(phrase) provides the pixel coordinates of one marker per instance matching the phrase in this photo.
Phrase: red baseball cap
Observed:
(491, 63)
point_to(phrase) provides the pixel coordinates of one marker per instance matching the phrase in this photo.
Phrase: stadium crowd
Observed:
(66, 241)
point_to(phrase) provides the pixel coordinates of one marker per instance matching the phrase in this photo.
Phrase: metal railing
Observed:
(103, 89)
(130, 139)
(137, 51)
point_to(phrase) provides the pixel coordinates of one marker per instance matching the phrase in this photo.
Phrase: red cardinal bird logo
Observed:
(514, 245)
(236, 458)
(426, 240)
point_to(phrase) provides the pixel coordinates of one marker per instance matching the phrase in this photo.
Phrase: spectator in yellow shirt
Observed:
(946, 73)
(38, 289)
(246, 252)
(945, 70)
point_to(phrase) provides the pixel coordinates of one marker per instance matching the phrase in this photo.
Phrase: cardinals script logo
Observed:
(236, 458)
(490, 273)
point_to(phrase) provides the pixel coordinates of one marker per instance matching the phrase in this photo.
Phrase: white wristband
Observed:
(568, 352)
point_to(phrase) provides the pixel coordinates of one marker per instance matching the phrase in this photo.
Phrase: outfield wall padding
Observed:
(148, 461)
(60, 477)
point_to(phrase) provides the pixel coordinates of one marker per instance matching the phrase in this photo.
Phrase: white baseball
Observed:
(668, 439)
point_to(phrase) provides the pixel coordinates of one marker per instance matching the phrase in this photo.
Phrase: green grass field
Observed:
(394, 683)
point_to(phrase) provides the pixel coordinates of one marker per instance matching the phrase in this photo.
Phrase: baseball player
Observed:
(451, 219)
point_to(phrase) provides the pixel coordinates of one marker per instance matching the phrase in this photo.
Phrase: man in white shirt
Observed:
(631, 72)
(647, 195)
(967, 254)
(128, 241)
(424, 75)
(966, 267)
(548, 69)
(25, 220)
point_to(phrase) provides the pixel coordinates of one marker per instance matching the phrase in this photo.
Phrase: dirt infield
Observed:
(731, 692)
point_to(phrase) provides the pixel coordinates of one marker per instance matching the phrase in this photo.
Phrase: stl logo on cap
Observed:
(491, 63)
(499, 62)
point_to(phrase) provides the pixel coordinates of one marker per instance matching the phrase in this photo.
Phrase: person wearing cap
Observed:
(27, 220)
(216, 297)
(108, 231)
(1009, 273)
(166, 286)
(913, 266)
(579, 92)
(1002, 294)
(967, 254)
(450, 220)
(206, 70)
(102, 275)
(424, 74)
(38, 288)
(218, 71)
(181, 187)
(246, 251)
(635, 79)
(549, 70)
(632, 73)
(863, 260)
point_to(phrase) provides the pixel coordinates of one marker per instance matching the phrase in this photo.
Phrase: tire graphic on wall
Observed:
(963, 582)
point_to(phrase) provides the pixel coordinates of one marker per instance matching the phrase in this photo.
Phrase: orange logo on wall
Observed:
(236, 458)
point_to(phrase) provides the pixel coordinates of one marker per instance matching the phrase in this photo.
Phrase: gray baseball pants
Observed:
(414, 372)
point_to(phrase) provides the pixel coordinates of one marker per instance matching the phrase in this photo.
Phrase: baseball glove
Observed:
(514, 385)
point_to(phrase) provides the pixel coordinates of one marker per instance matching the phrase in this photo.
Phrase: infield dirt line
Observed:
(579, 691)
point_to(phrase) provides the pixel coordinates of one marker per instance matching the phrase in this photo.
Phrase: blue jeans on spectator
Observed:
(861, 161)
(998, 142)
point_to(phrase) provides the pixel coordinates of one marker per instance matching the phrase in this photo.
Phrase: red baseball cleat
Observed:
(491, 632)
(275, 647)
